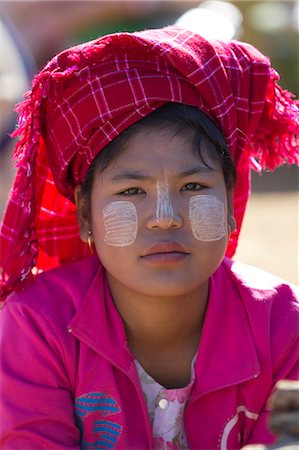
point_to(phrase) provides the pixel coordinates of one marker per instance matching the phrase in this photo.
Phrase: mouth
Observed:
(165, 253)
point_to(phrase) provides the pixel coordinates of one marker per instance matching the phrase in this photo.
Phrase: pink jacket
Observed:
(69, 380)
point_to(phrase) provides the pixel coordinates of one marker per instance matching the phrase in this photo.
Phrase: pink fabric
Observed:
(249, 341)
(88, 94)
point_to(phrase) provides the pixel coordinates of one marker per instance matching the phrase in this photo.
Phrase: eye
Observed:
(192, 187)
(132, 191)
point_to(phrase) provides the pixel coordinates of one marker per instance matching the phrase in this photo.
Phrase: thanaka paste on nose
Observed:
(164, 210)
(207, 217)
(120, 223)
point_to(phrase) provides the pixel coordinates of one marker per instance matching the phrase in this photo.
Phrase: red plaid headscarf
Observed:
(88, 94)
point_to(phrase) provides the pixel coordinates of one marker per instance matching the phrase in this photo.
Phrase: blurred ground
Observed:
(269, 237)
(270, 234)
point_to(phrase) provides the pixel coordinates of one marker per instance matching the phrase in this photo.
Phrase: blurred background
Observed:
(32, 32)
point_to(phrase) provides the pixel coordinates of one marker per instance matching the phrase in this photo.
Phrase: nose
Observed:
(165, 215)
(165, 221)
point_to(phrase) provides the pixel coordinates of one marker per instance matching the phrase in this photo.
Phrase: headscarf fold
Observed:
(89, 94)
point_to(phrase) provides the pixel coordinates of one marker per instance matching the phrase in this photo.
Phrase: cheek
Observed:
(120, 223)
(207, 217)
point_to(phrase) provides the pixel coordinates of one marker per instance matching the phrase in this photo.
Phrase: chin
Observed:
(170, 287)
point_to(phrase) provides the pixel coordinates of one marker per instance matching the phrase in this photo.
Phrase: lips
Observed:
(166, 247)
(165, 252)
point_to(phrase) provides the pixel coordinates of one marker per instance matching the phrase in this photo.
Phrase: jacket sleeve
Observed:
(284, 351)
(35, 400)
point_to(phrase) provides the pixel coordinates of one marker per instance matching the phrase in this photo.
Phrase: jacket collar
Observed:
(98, 324)
(227, 353)
(226, 338)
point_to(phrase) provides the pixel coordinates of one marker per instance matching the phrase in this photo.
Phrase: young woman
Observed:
(156, 340)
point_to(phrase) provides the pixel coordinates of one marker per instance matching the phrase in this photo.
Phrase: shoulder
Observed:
(262, 290)
(260, 285)
(57, 292)
(272, 308)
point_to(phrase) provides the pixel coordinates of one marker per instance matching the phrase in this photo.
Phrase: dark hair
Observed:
(182, 120)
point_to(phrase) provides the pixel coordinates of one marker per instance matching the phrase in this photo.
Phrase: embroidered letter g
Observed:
(91, 410)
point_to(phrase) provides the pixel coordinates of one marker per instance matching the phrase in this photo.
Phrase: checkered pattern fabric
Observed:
(89, 94)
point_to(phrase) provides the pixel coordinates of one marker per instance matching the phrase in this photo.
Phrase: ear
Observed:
(230, 211)
(83, 213)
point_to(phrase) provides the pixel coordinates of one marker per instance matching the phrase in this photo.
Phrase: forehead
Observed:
(157, 148)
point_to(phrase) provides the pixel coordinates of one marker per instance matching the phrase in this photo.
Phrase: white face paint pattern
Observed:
(120, 222)
(207, 217)
(164, 210)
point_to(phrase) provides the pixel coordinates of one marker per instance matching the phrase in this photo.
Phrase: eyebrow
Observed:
(136, 175)
(197, 169)
(141, 176)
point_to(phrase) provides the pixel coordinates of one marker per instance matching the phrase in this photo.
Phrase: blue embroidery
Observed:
(106, 432)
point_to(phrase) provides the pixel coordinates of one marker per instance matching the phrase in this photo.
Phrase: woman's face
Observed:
(160, 216)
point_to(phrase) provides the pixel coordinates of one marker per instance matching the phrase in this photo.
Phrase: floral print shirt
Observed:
(166, 410)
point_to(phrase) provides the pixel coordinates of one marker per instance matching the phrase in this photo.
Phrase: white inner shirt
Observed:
(166, 409)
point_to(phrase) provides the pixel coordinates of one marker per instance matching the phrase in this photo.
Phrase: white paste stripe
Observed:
(120, 223)
(207, 217)
(164, 210)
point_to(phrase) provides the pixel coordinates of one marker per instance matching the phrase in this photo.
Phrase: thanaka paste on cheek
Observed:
(120, 223)
(164, 211)
(207, 217)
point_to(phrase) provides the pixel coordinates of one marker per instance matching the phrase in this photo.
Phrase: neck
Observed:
(162, 331)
